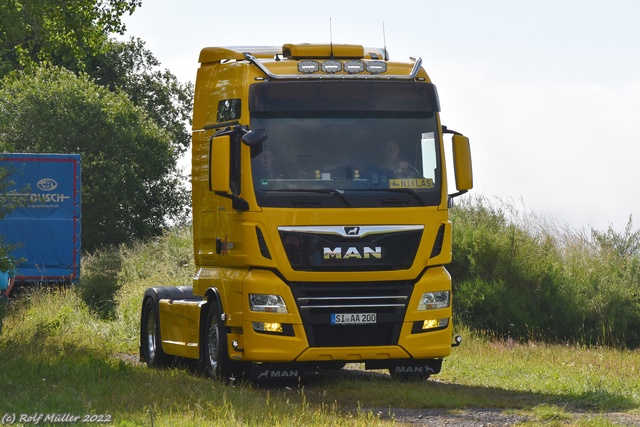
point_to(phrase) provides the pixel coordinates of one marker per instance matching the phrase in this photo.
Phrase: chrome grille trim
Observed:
(340, 230)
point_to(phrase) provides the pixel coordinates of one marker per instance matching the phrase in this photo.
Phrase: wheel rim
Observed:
(213, 345)
(151, 335)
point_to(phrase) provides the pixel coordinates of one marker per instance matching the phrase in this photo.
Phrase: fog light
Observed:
(435, 323)
(267, 327)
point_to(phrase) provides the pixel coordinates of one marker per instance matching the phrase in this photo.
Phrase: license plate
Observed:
(353, 318)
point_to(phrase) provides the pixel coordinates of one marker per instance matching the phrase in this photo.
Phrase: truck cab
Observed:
(320, 217)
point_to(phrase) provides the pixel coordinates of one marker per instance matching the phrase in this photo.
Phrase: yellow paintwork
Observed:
(299, 51)
(462, 162)
(241, 269)
(180, 326)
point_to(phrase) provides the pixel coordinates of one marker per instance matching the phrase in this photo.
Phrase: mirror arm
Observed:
(230, 130)
(453, 196)
(451, 131)
(459, 193)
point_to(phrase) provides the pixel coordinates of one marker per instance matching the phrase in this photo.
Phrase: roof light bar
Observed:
(413, 74)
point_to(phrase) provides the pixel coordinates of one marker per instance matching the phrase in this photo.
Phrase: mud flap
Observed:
(276, 371)
(424, 367)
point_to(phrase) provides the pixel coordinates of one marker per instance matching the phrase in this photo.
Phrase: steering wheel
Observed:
(408, 172)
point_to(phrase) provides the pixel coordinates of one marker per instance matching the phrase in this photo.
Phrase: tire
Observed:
(150, 341)
(216, 357)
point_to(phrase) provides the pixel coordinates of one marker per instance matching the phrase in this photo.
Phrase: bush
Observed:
(517, 275)
(99, 281)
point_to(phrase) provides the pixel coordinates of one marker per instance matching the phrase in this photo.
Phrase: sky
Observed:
(547, 91)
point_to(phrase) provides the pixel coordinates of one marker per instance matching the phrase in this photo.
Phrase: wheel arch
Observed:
(212, 295)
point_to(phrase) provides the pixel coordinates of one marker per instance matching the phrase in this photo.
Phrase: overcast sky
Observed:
(547, 91)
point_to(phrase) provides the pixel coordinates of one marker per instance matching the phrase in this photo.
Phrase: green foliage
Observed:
(114, 279)
(135, 149)
(519, 276)
(129, 67)
(63, 33)
(131, 187)
(8, 202)
(99, 283)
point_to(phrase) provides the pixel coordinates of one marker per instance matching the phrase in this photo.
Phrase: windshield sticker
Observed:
(411, 183)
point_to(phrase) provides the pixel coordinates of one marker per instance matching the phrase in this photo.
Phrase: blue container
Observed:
(47, 229)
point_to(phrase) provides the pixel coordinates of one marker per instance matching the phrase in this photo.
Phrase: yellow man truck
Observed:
(320, 217)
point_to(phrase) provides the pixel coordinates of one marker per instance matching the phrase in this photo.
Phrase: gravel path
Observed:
(485, 417)
(448, 418)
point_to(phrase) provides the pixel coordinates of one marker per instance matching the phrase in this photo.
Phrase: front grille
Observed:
(318, 301)
(382, 248)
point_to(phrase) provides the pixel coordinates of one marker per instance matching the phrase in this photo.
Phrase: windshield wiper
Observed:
(331, 191)
(395, 199)
(410, 192)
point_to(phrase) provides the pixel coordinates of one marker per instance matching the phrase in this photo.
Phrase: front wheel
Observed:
(150, 342)
(216, 357)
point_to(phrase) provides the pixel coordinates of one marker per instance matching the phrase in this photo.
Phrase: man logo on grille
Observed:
(352, 231)
(365, 252)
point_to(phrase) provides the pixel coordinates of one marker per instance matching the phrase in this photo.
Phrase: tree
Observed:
(131, 185)
(62, 33)
(130, 67)
(7, 205)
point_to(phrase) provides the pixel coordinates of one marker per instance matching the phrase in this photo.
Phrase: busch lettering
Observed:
(353, 253)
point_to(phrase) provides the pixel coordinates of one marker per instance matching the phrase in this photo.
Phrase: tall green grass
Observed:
(517, 275)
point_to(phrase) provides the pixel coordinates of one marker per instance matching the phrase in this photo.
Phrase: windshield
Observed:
(339, 144)
(349, 155)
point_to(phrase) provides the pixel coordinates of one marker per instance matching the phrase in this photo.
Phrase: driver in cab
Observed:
(391, 165)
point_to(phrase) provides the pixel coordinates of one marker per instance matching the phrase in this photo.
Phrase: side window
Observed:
(429, 155)
(229, 109)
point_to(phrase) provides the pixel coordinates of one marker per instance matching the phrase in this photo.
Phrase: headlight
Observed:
(434, 300)
(267, 303)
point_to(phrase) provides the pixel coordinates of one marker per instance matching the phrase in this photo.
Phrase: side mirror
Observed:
(220, 164)
(462, 163)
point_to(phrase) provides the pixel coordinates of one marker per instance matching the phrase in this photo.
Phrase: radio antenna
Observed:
(331, 37)
(384, 41)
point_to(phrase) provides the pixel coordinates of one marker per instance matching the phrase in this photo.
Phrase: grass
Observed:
(61, 353)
